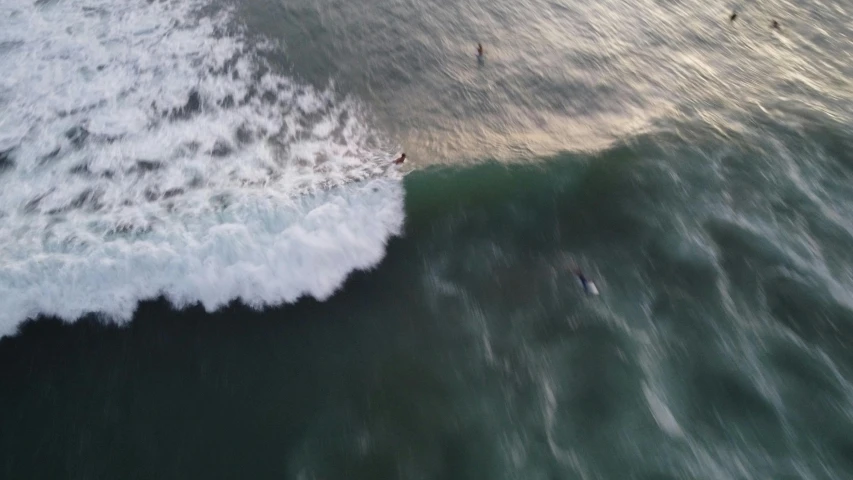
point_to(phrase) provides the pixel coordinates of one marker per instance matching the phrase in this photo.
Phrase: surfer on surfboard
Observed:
(588, 286)
(400, 160)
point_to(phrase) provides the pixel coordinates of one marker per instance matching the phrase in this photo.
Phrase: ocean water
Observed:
(209, 269)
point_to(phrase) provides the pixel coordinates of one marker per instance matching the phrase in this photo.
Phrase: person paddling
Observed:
(582, 278)
(400, 160)
(588, 286)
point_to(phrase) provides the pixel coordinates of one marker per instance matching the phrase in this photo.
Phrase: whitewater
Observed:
(148, 149)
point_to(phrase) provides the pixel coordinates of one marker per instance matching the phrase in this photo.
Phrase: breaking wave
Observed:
(149, 149)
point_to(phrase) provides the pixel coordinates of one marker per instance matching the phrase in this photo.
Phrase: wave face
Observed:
(147, 148)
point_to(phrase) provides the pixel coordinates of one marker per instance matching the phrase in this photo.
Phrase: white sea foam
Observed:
(148, 152)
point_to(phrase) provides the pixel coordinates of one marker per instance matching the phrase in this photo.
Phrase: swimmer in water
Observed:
(587, 284)
(583, 279)
(775, 25)
(400, 160)
(733, 17)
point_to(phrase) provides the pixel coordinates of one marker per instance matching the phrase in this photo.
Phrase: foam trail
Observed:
(144, 151)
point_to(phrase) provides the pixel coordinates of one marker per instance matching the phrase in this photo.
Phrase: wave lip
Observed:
(263, 253)
(150, 150)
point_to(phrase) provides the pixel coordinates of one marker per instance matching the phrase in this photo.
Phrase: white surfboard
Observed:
(591, 288)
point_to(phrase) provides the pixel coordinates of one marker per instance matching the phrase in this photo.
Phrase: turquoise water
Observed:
(697, 171)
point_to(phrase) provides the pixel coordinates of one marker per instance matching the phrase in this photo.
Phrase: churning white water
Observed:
(147, 148)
